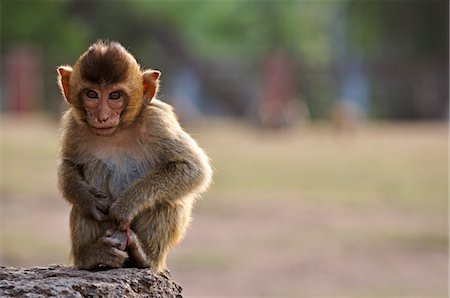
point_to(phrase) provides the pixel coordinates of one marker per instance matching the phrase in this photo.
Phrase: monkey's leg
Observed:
(92, 246)
(159, 229)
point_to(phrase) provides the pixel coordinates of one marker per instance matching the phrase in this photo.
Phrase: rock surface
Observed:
(62, 281)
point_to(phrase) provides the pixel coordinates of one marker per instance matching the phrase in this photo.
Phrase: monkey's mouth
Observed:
(104, 131)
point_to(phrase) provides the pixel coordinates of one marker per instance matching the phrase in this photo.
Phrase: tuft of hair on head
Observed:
(106, 62)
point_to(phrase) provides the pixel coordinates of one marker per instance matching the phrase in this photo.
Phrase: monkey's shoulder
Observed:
(161, 106)
(160, 121)
(161, 112)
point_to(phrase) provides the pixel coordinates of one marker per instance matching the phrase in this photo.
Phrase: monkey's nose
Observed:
(103, 119)
(103, 113)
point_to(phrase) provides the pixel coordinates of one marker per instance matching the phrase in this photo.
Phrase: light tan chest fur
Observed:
(111, 165)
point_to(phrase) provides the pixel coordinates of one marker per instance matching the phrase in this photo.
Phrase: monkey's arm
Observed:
(87, 198)
(185, 170)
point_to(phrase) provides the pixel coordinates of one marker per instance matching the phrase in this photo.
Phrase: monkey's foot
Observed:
(107, 253)
(112, 253)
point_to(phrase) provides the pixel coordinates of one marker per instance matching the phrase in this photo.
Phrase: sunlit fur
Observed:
(150, 171)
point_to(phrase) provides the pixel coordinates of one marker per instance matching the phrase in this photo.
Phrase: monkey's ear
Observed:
(64, 73)
(150, 80)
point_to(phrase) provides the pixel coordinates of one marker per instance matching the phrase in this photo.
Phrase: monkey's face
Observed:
(107, 88)
(104, 107)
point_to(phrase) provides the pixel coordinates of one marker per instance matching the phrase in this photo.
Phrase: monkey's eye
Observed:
(91, 94)
(114, 95)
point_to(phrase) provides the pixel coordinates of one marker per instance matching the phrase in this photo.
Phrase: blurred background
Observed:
(326, 123)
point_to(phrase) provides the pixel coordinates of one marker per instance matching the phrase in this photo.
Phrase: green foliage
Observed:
(43, 23)
(246, 28)
(318, 36)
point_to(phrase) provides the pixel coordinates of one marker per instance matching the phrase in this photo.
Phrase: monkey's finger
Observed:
(115, 242)
(102, 208)
(120, 253)
(105, 202)
(114, 258)
(109, 232)
(122, 246)
(97, 193)
(110, 241)
(120, 236)
(102, 204)
(98, 215)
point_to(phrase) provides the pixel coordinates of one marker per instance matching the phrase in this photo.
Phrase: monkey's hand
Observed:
(92, 202)
(117, 238)
(113, 254)
(107, 252)
(98, 206)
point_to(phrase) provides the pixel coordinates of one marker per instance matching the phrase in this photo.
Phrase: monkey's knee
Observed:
(159, 230)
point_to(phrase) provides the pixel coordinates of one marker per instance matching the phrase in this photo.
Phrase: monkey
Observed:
(129, 170)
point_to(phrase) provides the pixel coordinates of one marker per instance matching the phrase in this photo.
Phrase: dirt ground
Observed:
(310, 211)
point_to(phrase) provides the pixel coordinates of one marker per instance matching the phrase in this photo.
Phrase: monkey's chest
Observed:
(114, 175)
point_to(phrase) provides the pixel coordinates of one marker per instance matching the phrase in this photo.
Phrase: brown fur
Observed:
(105, 63)
(147, 174)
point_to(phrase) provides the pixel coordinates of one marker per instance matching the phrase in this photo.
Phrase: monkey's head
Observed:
(106, 87)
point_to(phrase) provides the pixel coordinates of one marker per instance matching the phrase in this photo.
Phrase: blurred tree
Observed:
(44, 28)
(405, 47)
(401, 46)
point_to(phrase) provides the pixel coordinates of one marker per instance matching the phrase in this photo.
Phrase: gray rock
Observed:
(62, 281)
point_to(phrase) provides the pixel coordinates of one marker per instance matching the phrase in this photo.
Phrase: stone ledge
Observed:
(63, 281)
